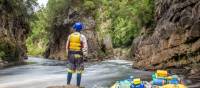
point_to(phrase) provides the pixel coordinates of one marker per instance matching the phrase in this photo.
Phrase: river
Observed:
(45, 72)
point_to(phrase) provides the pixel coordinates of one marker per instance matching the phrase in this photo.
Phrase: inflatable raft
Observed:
(132, 83)
(162, 79)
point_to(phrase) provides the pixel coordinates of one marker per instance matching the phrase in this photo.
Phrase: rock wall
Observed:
(175, 41)
(63, 27)
(14, 28)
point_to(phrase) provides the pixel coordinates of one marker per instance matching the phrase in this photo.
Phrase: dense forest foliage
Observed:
(37, 40)
(122, 19)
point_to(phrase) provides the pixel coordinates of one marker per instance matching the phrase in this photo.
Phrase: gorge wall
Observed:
(175, 41)
(14, 28)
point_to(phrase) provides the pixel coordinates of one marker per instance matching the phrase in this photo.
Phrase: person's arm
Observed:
(84, 45)
(67, 45)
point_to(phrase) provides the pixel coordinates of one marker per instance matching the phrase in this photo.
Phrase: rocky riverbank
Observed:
(4, 64)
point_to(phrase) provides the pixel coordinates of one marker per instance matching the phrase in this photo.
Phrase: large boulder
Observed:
(68, 86)
(63, 27)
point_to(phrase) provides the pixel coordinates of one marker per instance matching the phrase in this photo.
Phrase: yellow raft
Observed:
(173, 86)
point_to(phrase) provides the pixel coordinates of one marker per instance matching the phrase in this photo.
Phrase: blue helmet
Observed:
(78, 26)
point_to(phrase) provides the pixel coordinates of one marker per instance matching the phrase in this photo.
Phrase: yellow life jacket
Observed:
(137, 81)
(75, 42)
(162, 73)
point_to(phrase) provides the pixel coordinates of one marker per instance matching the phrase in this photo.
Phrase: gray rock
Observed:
(68, 86)
(74, 12)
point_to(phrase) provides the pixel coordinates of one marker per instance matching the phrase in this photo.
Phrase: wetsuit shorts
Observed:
(75, 62)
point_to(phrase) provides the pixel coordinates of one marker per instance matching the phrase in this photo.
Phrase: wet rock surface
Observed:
(67, 86)
(175, 41)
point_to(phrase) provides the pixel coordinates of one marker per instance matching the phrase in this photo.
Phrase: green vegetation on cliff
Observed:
(42, 26)
(124, 18)
(7, 53)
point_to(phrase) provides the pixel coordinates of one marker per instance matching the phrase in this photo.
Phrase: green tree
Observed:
(127, 18)
(38, 38)
(43, 26)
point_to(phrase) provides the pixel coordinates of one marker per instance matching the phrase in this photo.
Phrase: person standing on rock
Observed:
(76, 48)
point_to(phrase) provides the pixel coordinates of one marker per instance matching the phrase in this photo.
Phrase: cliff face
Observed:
(175, 41)
(63, 27)
(14, 27)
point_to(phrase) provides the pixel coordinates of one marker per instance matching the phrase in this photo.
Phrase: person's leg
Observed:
(71, 70)
(69, 77)
(78, 79)
(71, 67)
(79, 69)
